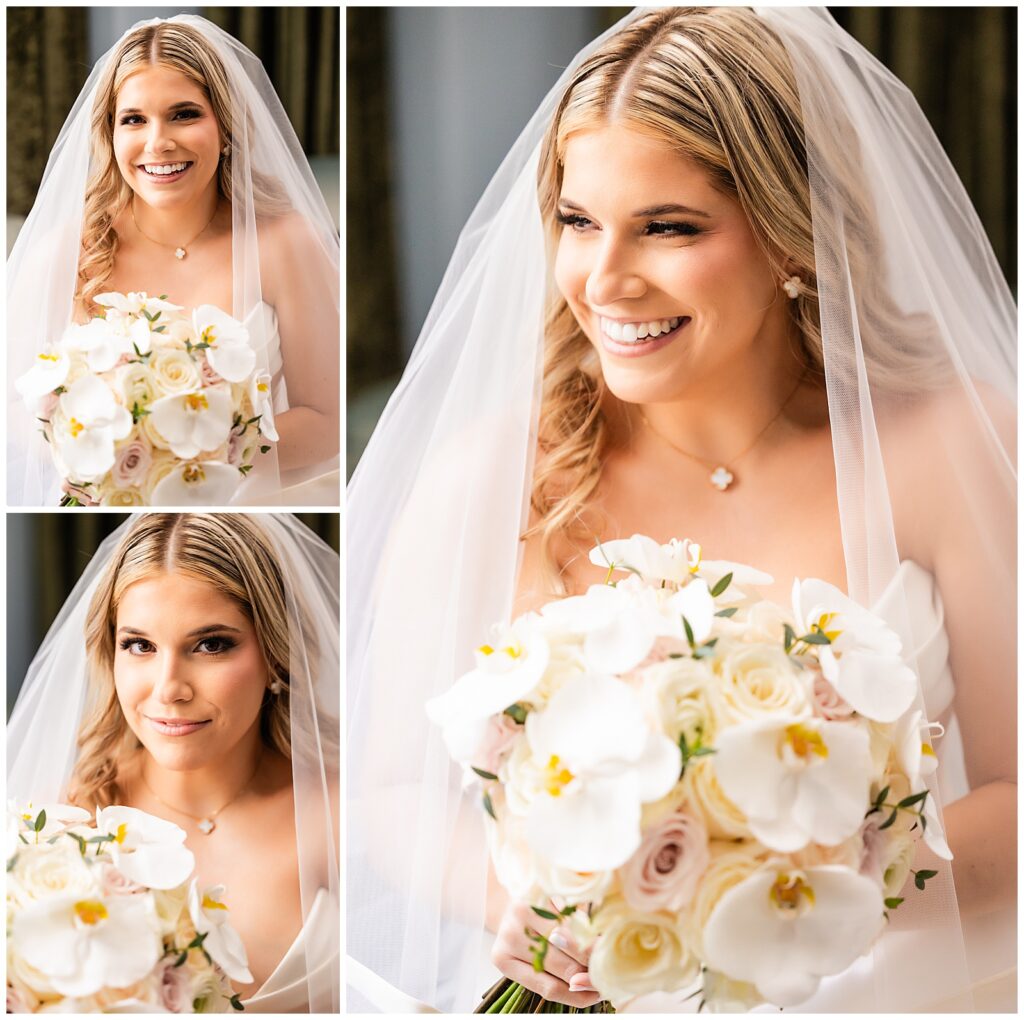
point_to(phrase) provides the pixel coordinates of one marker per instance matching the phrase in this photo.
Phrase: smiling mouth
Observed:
(176, 727)
(159, 170)
(640, 332)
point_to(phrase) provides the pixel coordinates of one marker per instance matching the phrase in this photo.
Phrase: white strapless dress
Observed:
(308, 488)
(287, 989)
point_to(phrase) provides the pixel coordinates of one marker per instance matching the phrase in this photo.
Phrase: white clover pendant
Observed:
(179, 253)
(206, 826)
(721, 478)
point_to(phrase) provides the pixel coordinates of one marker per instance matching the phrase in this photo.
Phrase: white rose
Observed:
(721, 994)
(148, 431)
(758, 680)
(676, 692)
(50, 868)
(730, 864)
(573, 886)
(765, 621)
(171, 907)
(174, 371)
(565, 661)
(638, 953)
(136, 384)
(723, 819)
(111, 495)
(210, 991)
(164, 462)
(29, 982)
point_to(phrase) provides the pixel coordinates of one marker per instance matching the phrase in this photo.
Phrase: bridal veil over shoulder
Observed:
(917, 325)
(42, 733)
(43, 266)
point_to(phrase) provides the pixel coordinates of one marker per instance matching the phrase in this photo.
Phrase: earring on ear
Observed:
(226, 150)
(793, 286)
(275, 686)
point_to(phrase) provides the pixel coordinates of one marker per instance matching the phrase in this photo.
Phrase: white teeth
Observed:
(635, 332)
(162, 170)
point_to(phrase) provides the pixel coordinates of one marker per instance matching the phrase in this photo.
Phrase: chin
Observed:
(646, 383)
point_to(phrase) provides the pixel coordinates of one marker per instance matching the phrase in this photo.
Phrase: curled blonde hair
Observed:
(716, 84)
(227, 551)
(179, 47)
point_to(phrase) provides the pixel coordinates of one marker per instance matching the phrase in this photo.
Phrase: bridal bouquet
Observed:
(102, 917)
(145, 406)
(715, 794)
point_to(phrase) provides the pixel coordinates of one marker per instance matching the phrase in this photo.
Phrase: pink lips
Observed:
(165, 178)
(638, 350)
(175, 727)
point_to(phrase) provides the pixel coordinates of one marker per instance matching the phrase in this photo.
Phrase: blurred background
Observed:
(436, 97)
(52, 50)
(47, 553)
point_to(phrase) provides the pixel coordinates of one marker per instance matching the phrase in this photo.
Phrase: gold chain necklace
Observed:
(182, 250)
(721, 476)
(204, 823)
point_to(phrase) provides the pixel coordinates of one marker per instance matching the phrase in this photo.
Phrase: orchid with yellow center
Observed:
(601, 761)
(797, 781)
(88, 422)
(917, 760)
(262, 404)
(209, 914)
(862, 658)
(135, 303)
(144, 848)
(508, 669)
(229, 350)
(193, 423)
(675, 562)
(208, 483)
(83, 945)
(783, 931)
(48, 372)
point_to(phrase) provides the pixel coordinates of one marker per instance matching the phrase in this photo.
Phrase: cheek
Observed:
(570, 273)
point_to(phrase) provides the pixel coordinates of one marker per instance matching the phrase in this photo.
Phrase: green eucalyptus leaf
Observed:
(816, 638)
(731, 611)
(482, 774)
(689, 632)
(892, 902)
(489, 807)
(546, 914)
(40, 822)
(790, 637)
(517, 713)
(236, 1003)
(913, 799)
(880, 799)
(723, 583)
(889, 820)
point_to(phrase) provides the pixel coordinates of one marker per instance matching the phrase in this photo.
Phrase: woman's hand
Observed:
(564, 978)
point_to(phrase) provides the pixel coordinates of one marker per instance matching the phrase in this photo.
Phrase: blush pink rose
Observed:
(132, 464)
(827, 701)
(116, 884)
(236, 448)
(501, 734)
(209, 376)
(175, 987)
(664, 872)
(662, 648)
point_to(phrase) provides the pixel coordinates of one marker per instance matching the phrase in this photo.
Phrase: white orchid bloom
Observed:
(195, 422)
(86, 944)
(862, 660)
(696, 604)
(207, 483)
(712, 571)
(619, 624)
(48, 372)
(916, 758)
(260, 396)
(144, 848)
(91, 421)
(784, 930)
(675, 562)
(209, 915)
(508, 668)
(798, 781)
(230, 352)
(599, 762)
(135, 303)
(102, 341)
(57, 818)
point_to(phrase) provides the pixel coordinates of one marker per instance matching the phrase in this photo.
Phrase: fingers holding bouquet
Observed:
(542, 956)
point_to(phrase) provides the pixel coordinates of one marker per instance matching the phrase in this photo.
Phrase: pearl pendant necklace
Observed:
(722, 478)
(181, 251)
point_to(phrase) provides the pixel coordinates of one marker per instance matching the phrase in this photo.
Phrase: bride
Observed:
(770, 322)
(195, 669)
(177, 173)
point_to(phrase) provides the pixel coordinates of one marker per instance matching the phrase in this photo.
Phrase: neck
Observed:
(173, 227)
(725, 409)
(207, 789)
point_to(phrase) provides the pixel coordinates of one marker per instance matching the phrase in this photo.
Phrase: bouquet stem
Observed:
(507, 996)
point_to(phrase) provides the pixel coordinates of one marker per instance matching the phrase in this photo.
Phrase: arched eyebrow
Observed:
(170, 109)
(212, 628)
(654, 210)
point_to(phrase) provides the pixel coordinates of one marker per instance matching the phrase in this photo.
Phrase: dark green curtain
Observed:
(47, 65)
(47, 62)
(61, 546)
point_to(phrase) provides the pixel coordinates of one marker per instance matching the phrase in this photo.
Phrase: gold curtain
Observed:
(300, 49)
(47, 63)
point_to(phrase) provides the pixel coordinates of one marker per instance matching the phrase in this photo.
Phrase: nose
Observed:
(614, 276)
(159, 139)
(171, 683)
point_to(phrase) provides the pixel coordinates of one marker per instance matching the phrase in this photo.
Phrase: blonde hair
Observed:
(716, 84)
(179, 47)
(227, 551)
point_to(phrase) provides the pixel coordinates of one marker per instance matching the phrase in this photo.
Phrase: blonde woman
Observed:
(193, 674)
(727, 287)
(177, 173)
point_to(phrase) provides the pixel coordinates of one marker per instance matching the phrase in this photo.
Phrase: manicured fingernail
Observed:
(556, 938)
(581, 983)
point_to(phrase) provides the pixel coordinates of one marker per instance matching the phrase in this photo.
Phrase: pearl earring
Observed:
(275, 686)
(225, 150)
(793, 286)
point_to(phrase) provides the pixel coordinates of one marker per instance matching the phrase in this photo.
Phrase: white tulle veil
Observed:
(42, 268)
(440, 499)
(44, 725)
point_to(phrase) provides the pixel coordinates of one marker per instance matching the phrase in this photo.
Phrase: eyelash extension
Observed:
(125, 643)
(190, 113)
(226, 643)
(670, 228)
(571, 219)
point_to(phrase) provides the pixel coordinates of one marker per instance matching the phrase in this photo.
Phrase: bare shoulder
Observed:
(288, 244)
